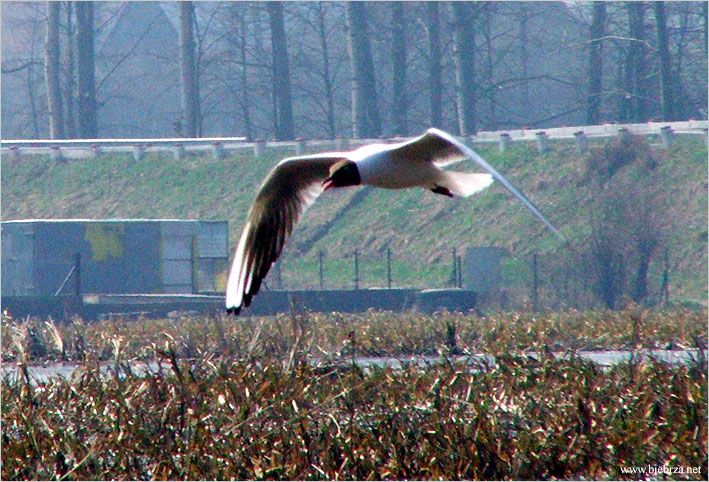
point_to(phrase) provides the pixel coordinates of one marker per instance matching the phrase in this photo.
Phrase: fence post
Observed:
(77, 272)
(15, 154)
(666, 134)
(55, 153)
(455, 268)
(581, 141)
(259, 147)
(356, 262)
(389, 268)
(218, 150)
(138, 152)
(300, 146)
(505, 141)
(535, 284)
(179, 151)
(624, 133)
(322, 279)
(542, 141)
(95, 150)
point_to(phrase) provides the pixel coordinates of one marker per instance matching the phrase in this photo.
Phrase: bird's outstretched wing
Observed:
(444, 137)
(285, 194)
(429, 147)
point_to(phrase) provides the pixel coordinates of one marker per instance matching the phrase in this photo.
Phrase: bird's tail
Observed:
(464, 183)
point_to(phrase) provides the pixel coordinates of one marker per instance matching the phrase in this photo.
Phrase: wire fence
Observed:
(555, 280)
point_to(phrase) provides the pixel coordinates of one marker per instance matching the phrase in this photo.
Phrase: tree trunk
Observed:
(281, 73)
(69, 75)
(595, 64)
(666, 78)
(188, 70)
(52, 72)
(434, 63)
(365, 111)
(705, 23)
(86, 83)
(239, 26)
(525, 110)
(637, 62)
(490, 67)
(327, 75)
(398, 49)
(464, 65)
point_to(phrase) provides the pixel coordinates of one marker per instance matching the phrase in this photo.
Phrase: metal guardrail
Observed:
(84, 148)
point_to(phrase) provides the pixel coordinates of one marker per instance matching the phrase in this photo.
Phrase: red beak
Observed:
(327, 184)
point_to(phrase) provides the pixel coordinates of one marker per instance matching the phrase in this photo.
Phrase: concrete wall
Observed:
(267, 303)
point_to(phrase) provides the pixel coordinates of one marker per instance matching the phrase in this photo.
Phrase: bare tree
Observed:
(319, 59)
(283, 102)
(86, 84)
(489, 8)
(398, 51)
(52, 72)
(666, 78)
(188, 71)
(69, 74)
(634, 103)
(595, 63)
(433, 25)
(525, 108)
(705, 23)
(464, 57)
(365, 110)
(327, 77)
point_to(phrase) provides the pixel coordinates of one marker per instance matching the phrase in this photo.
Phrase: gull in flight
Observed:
(296, 182)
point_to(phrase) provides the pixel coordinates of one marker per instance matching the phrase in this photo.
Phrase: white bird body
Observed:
(296, 182)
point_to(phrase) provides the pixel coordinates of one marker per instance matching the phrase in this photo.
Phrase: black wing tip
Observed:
(235, 310)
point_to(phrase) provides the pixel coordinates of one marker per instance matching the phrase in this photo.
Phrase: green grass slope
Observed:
(419, 227)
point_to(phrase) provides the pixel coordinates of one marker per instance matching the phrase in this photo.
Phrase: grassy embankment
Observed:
(421, 228)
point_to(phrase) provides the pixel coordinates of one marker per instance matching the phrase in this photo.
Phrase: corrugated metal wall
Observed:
(116, 256)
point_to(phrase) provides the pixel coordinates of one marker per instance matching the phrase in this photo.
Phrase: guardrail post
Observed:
(542, 141)
(259, 147)
(706, 137)
(581, 141)
(666, 134)
(505, 141)
(179, 151)
(138, 152)
(299, 147)
(95, 150)
(55, 153)
(624, 133)
(218, 151)
(15, 154)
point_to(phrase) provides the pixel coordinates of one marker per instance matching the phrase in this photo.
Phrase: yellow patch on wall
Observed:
(106, 240)
(220, 280)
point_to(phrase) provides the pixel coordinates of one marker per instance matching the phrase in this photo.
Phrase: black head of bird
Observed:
(342, 174)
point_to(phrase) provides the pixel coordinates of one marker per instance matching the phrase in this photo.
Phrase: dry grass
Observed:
(245, 406)
(376, 334)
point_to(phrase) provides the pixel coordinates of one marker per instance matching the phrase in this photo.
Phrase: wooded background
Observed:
(285, 70)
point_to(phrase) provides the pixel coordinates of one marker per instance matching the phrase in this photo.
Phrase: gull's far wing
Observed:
(468, 152)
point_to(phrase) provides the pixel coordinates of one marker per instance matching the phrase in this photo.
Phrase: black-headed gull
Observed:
(296, 182)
